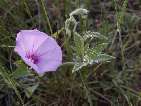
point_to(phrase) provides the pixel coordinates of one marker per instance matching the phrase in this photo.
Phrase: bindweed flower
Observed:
(38, 50)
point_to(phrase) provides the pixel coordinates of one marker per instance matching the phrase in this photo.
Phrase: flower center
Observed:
(33, 58)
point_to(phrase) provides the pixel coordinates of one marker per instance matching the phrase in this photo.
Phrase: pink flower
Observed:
(38, 50)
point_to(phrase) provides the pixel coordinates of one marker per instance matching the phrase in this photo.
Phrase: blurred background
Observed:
(114, 83)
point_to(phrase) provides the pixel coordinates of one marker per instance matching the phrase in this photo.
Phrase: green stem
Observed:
(46, 15)
(120, 16)
(27, 9)
(86, 89)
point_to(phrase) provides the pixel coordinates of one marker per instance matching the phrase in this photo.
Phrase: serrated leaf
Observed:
(89, 55)
(78, 66)
(79, 44)
(102, 58)
(95, 55)
(100, 47)
(92, 34)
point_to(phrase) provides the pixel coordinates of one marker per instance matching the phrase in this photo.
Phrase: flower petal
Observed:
(50, 55)
(48, 45)
(45, 66)
(31, 39)
(20, 49)
(46, 49)
(50, 61)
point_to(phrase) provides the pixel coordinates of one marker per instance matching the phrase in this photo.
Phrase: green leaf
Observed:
(11, 82)
(90, 55)
(92, 34)
(78, 66)
(79, 44)
(30, 90)
(21, 71)
(100, 47)
(94, 55)
(58, 32)
(102, 58)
